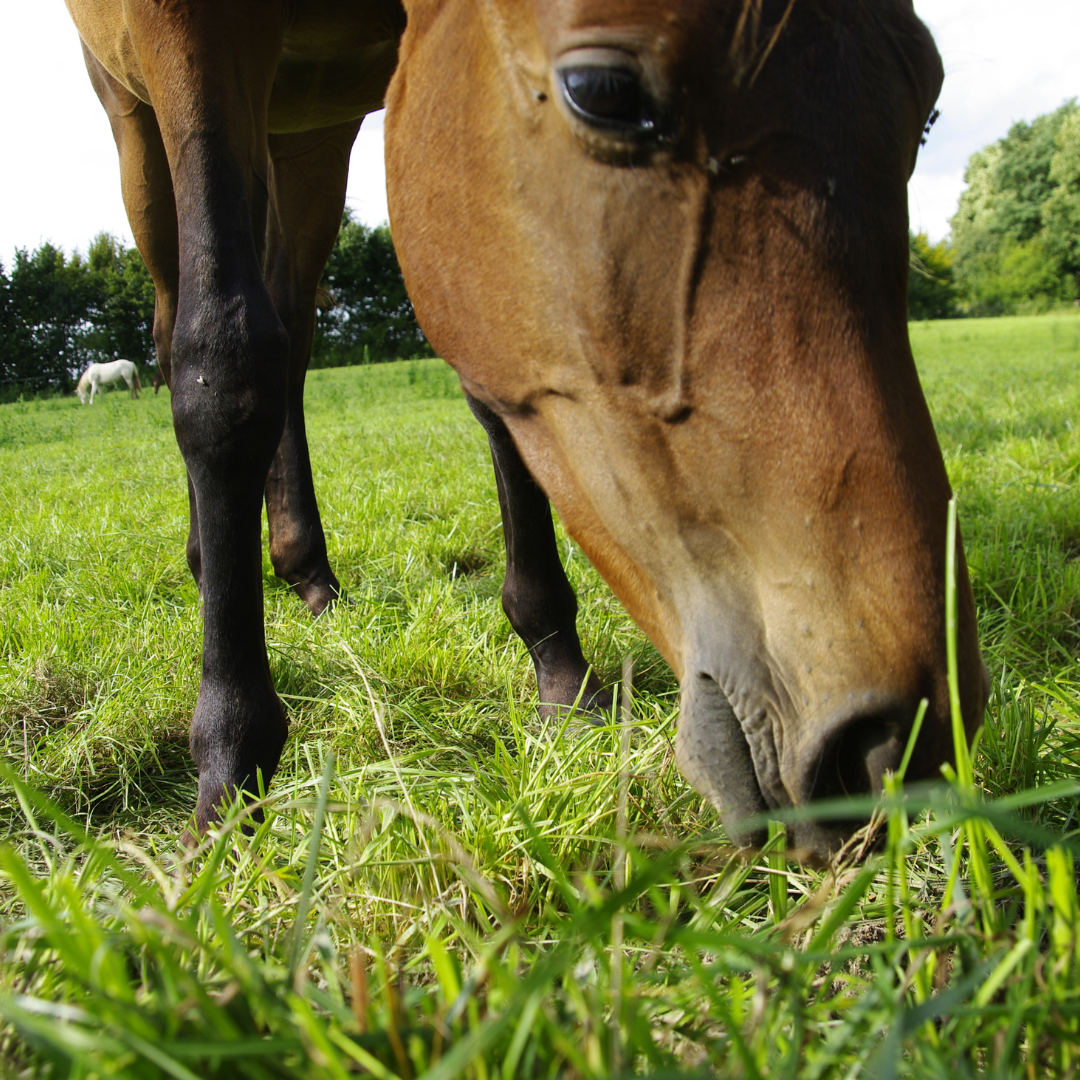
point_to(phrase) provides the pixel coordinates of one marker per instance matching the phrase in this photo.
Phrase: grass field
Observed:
(445, 885)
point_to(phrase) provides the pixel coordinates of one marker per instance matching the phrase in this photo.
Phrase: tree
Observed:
(9, 330)
(122, 315)
(45, 320)
(58, 314)
(364, 308)
(1061, 211)
(1007, 231)
(931, 290)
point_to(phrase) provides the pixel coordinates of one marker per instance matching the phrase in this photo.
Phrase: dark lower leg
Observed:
(308, 171)
(238, 727)
(537, 597)
(297, 542)
(228, 374)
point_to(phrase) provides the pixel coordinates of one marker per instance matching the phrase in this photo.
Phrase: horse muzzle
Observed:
(749, 765)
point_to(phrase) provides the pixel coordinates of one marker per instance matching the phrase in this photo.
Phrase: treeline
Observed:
(1014, 247)
(60, 313)
(364, 314)
(1014, 242)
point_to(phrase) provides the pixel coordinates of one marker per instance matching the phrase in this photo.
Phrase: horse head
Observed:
(668, 245)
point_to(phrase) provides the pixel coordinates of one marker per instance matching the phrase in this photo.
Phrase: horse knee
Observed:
(229, 382)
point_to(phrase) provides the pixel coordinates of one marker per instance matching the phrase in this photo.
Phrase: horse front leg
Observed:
(209, 69)
(537, 597)
(308, 172)
(146, 184)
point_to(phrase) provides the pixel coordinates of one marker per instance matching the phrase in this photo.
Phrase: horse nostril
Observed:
(858, 754)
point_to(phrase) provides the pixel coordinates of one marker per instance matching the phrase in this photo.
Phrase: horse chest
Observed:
(336, 62)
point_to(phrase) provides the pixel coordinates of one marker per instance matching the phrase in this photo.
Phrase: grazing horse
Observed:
(96, 375)
(664, 245)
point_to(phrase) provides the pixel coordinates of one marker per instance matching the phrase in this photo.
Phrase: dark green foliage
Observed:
(1014, 235)
(45, 319)
(931, 291)
(1061, 211)
(123, 315)
(58, 314)
(364, 315)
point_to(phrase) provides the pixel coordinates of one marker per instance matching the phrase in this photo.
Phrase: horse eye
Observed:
(609, 97)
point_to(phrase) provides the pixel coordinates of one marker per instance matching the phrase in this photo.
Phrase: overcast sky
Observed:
(1005, 60)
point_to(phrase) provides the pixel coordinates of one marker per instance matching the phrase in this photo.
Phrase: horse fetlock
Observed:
(315, 583)
(237, 735)
(543, 614)
(568, 685)
(299, 558)
(319, 593)
(564, 677)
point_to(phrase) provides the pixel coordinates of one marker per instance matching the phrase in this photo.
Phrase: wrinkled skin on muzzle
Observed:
(668, 246)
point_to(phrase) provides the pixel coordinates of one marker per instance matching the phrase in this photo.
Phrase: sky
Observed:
(1005, 60)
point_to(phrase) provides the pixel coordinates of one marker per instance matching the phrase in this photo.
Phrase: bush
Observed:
(58, 314)
(364, 313)
(1014, 232)
(931, 289)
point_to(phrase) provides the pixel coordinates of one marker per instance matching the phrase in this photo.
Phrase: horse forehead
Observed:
(743, 16)
(674, 27)
(579, 14)
(661, 29)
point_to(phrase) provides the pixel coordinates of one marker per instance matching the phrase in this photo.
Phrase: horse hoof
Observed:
(560, 697)
(319, 594)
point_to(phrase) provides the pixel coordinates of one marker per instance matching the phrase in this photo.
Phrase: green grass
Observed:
(448, 899)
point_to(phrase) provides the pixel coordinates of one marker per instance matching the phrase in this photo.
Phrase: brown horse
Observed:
(665, 247)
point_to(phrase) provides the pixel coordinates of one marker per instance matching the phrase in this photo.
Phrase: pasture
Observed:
(446, 885)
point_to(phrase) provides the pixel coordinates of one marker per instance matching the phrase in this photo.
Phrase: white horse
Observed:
(96, 375)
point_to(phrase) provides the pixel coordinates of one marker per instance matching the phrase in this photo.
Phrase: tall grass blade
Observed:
(298, 947)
